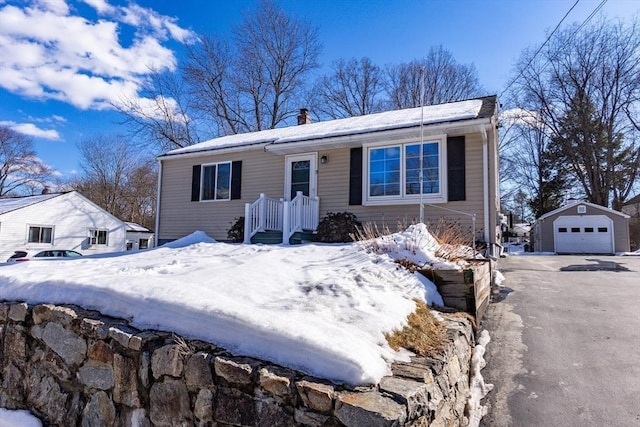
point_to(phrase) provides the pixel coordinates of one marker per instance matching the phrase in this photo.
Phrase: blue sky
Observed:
(61, 62)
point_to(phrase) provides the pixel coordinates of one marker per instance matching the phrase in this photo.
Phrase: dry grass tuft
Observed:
(454, 240)
(424, 334)
(467, 316)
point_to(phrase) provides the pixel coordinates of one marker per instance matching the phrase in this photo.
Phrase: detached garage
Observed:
(582, 228)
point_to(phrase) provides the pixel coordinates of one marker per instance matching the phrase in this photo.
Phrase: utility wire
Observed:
(544, 44)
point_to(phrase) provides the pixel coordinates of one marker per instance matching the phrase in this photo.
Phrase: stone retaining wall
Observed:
(71, 366)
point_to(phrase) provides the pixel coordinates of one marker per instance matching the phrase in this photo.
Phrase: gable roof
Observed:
(8, 204)
(471, 109)
(578, 202)
(132, 226)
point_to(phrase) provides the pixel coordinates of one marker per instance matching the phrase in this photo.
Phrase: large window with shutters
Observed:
(216, 181)
(393, 172)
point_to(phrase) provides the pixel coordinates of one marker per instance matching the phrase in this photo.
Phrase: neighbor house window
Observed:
(98, 237)
(38, 234)
(394, 172)
(143, 243)
(216, 181)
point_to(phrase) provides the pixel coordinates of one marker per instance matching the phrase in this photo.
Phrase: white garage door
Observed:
(592, 234)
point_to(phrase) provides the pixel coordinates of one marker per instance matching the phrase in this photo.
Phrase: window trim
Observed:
(403, 198)
(91, 236)
(215, 189)
(41, 226)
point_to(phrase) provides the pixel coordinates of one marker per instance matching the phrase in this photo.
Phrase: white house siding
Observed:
(71, 216)
(263, 172)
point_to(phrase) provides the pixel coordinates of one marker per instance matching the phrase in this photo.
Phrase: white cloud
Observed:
(46, 52)
(32, 130)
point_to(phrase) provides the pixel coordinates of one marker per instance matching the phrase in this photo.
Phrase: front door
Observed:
(300, 175)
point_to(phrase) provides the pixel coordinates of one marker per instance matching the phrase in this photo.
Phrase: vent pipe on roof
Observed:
(304, 117)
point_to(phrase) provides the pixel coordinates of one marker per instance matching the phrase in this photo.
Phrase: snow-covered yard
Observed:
(319, 308)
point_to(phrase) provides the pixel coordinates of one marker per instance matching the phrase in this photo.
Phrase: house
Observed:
(289, 178)
(582, 227)
(138, 237)
(58, 221)
(632, 208)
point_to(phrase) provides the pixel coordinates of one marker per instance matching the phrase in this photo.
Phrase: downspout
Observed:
(157, 227)
(485, 182)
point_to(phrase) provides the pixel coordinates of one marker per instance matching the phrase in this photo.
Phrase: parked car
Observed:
(49, 254)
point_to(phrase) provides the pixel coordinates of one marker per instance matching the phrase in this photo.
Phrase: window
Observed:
(562, 229)
(393, 172)
(575, 229)
(602, 229)
(216, 181)
(39, 234)
(588, 229)
(98, 237)
(143, 243)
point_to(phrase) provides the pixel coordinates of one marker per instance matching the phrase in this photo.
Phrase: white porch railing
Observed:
(289, 217)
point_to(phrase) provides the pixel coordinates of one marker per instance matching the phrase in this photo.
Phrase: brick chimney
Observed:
(304, 117)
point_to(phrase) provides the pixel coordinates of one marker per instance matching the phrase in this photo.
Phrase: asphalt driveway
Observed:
(565, 342)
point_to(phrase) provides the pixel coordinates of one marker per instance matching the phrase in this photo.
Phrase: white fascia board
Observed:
(212, 151)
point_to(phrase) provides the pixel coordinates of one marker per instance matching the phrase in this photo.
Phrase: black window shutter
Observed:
(195, 184)
(236, 179)
(355, 176)
(456, 174)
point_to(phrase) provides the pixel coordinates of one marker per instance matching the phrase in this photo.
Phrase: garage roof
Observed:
(578, 202)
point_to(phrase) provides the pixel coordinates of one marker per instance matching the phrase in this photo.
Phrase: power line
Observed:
(545, 43)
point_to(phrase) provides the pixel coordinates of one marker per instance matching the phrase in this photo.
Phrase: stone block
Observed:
(167, 360)
(100, 352)
(122, 334)
(278, 382)
(269, 414)
(369, 409)
(96, 375)
(99, 411)
(53, 313)
(235, 407)
(203, 406)
(125, 389)
(66, 344)
(413, 371)
(413, 394)
(316, 396)
(308, 418)
(197, 371)
(236, 370)
(169, 404)
(94, 328)
(18, 312)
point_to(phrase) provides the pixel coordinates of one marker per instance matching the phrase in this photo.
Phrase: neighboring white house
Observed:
(58, 221)
(138, 237)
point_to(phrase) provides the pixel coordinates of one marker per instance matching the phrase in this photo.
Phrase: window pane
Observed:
(45, 235)
(562, 230)
(102, 237)
(300, 177)
(575, 229)
(143, 243)
(602, 229)
(430, 168)
(384, 171)
(208, 182)
(223, 181)
(34, 235)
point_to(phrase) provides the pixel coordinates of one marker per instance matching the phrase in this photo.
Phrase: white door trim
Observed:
(313, 172)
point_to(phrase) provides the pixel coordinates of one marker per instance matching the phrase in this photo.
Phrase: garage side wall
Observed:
(546, 235)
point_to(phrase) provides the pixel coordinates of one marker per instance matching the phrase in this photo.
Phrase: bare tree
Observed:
(444, 80)
(163, 117)
(352, 88)
(255, 82)
(20, 169)
(585, 83)
(117, 179)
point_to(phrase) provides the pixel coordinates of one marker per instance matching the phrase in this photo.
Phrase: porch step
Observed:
(267, 237)
(275, 237)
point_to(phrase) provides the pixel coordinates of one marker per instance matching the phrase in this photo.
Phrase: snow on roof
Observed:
(132, 226)
(9, 204)
(320, 308)
(450, 112)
